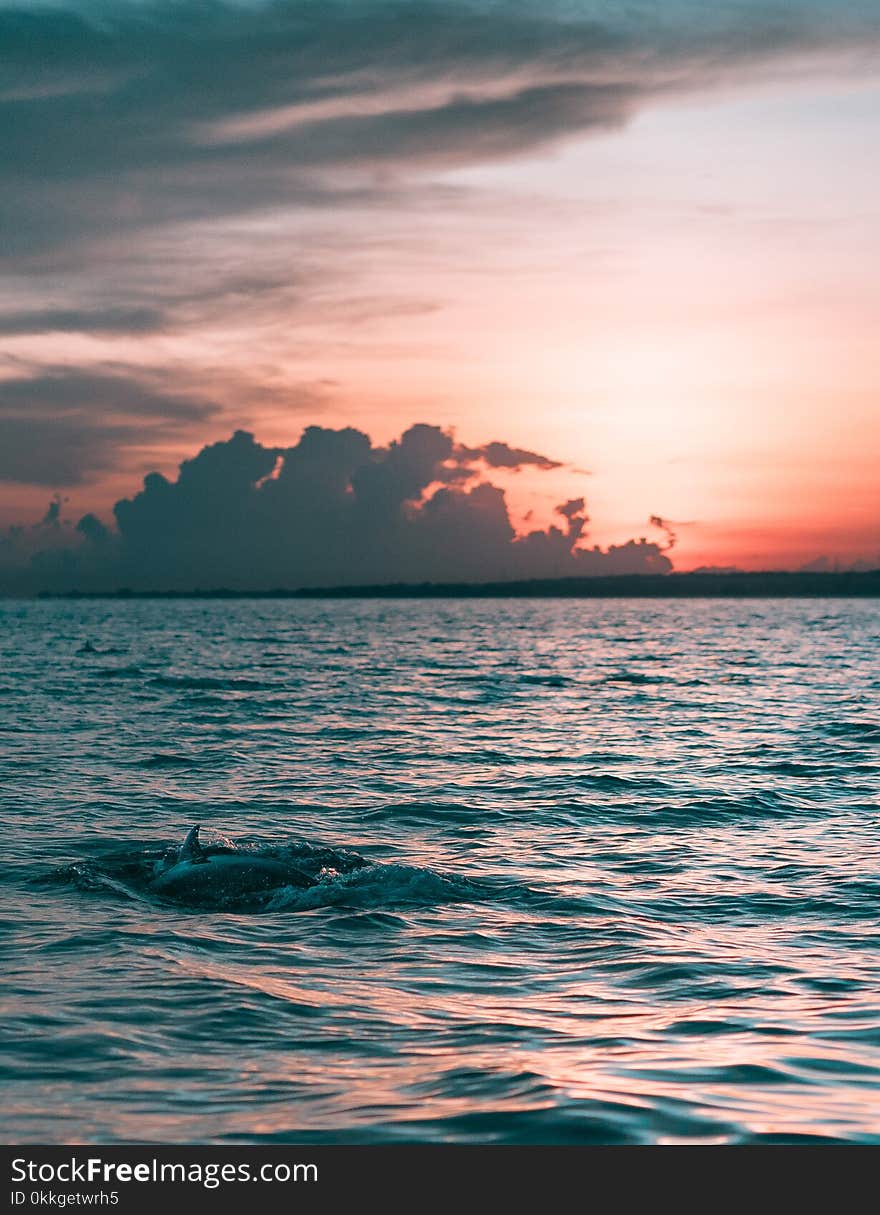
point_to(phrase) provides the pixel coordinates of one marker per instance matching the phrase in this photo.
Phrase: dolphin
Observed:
(215, 875)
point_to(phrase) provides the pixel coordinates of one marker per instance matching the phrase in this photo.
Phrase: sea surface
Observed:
(580, 871)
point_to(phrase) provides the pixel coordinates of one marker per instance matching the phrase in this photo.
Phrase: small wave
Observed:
(634, 677)
(209, 683)
(818, 768)
(610, 781)
(752, 806)
(498, 759)
(864, 731)
(376, 886)
(167, 759)
(424, 812)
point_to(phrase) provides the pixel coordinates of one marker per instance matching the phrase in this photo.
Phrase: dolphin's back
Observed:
(215, 876)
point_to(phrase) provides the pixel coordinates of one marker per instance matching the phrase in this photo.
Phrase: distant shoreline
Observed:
(763, 585)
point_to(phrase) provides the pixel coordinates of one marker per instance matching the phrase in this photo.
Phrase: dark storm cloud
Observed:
(62, 426)
(101, 321)
(55, 391)
(58, 451)
(332, 510)
(669, 527)
(500, 455)
(122, 117)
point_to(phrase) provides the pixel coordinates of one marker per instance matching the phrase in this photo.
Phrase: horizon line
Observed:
(696, 584)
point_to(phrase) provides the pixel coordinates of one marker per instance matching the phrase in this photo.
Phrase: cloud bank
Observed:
(333, 510)
(120, 120)
(120, 116)
(60, 426)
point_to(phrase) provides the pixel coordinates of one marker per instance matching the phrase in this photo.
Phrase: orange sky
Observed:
(683, 310)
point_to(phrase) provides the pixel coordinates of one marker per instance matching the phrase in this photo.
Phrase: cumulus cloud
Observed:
(333, 510)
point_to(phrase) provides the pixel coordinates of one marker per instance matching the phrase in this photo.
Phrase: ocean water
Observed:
(579, 871)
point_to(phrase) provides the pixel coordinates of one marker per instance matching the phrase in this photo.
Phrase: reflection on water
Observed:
(583, 871)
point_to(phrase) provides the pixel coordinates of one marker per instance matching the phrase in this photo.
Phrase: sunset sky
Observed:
(639, 239)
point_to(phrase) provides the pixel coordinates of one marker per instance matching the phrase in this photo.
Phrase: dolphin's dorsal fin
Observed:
(190, 849)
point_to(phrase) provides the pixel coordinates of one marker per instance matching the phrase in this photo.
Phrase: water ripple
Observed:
(561, 872)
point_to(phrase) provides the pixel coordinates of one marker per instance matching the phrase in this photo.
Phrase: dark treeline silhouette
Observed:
(769, 584)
